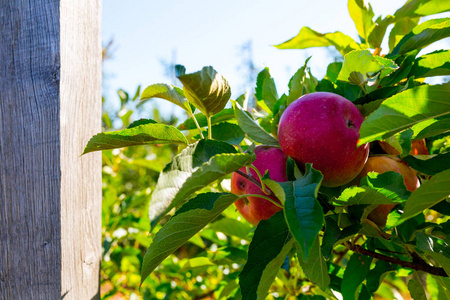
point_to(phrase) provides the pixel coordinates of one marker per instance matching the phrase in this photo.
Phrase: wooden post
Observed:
(50, 105)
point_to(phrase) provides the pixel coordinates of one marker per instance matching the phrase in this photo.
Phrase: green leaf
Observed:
(141, 122)
(431, 127)
(333, 70)
(433, 64)
(376, 275)
(224, 115)
(187, 221)
(441, 259)
(423, 35)
(251, 128)
(378, 94)
(429, 164)
(416, 290)
(308, 38)
(443, 207)
(164, 91)
(266, 90)
(360, 65)
(232, 227)
(196, 263)
(276, 188)
(406, 63)
(429, 194)
(226, 132)
(434, 247)
(401, 142)
(362, 17)
(298, 84)
(315, 267)
(426, 242)
(270, 272)
(357, 270)
(417, 8)
(440, 284)
(195, 167)
(150, 133)
(405, 110)
(330, 236)
(385, 188)
(378, 31)
(207, 90)
(304, 215)
(401, 28)
(229, 255)
(268, 249)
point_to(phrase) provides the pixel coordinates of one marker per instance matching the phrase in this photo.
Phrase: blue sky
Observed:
(198, 33)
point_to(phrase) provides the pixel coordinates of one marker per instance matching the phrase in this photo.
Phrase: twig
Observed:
(418, 266)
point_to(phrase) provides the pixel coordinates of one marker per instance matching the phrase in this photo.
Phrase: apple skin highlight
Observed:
(323, 129)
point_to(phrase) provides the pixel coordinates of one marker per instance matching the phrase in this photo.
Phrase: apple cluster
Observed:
(307, 128)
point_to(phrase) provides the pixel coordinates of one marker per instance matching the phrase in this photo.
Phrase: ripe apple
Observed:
(381, 164)
(418, 147)
(254, 209)
(323, 129)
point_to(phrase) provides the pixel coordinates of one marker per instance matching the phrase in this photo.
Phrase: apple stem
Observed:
(261, 196)
(209, 128)
(196, 124)
(363, 88)
(252, 179)
(263, 186)
(377, 51)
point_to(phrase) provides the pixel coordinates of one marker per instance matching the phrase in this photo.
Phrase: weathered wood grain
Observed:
(50, 105)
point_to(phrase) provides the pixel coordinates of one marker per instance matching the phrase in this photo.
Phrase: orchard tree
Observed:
(347, 178)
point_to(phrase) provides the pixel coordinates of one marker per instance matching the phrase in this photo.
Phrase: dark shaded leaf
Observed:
(416, 290)
(315, 267)
(304, 214)
(355, 273)
(226, 132)
(429, 164)
(268, 249)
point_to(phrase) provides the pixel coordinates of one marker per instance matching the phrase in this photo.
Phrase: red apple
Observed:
(381, 164)
(323, 129)
(255, 209)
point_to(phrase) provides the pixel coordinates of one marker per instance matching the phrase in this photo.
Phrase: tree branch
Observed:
(419, 266)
